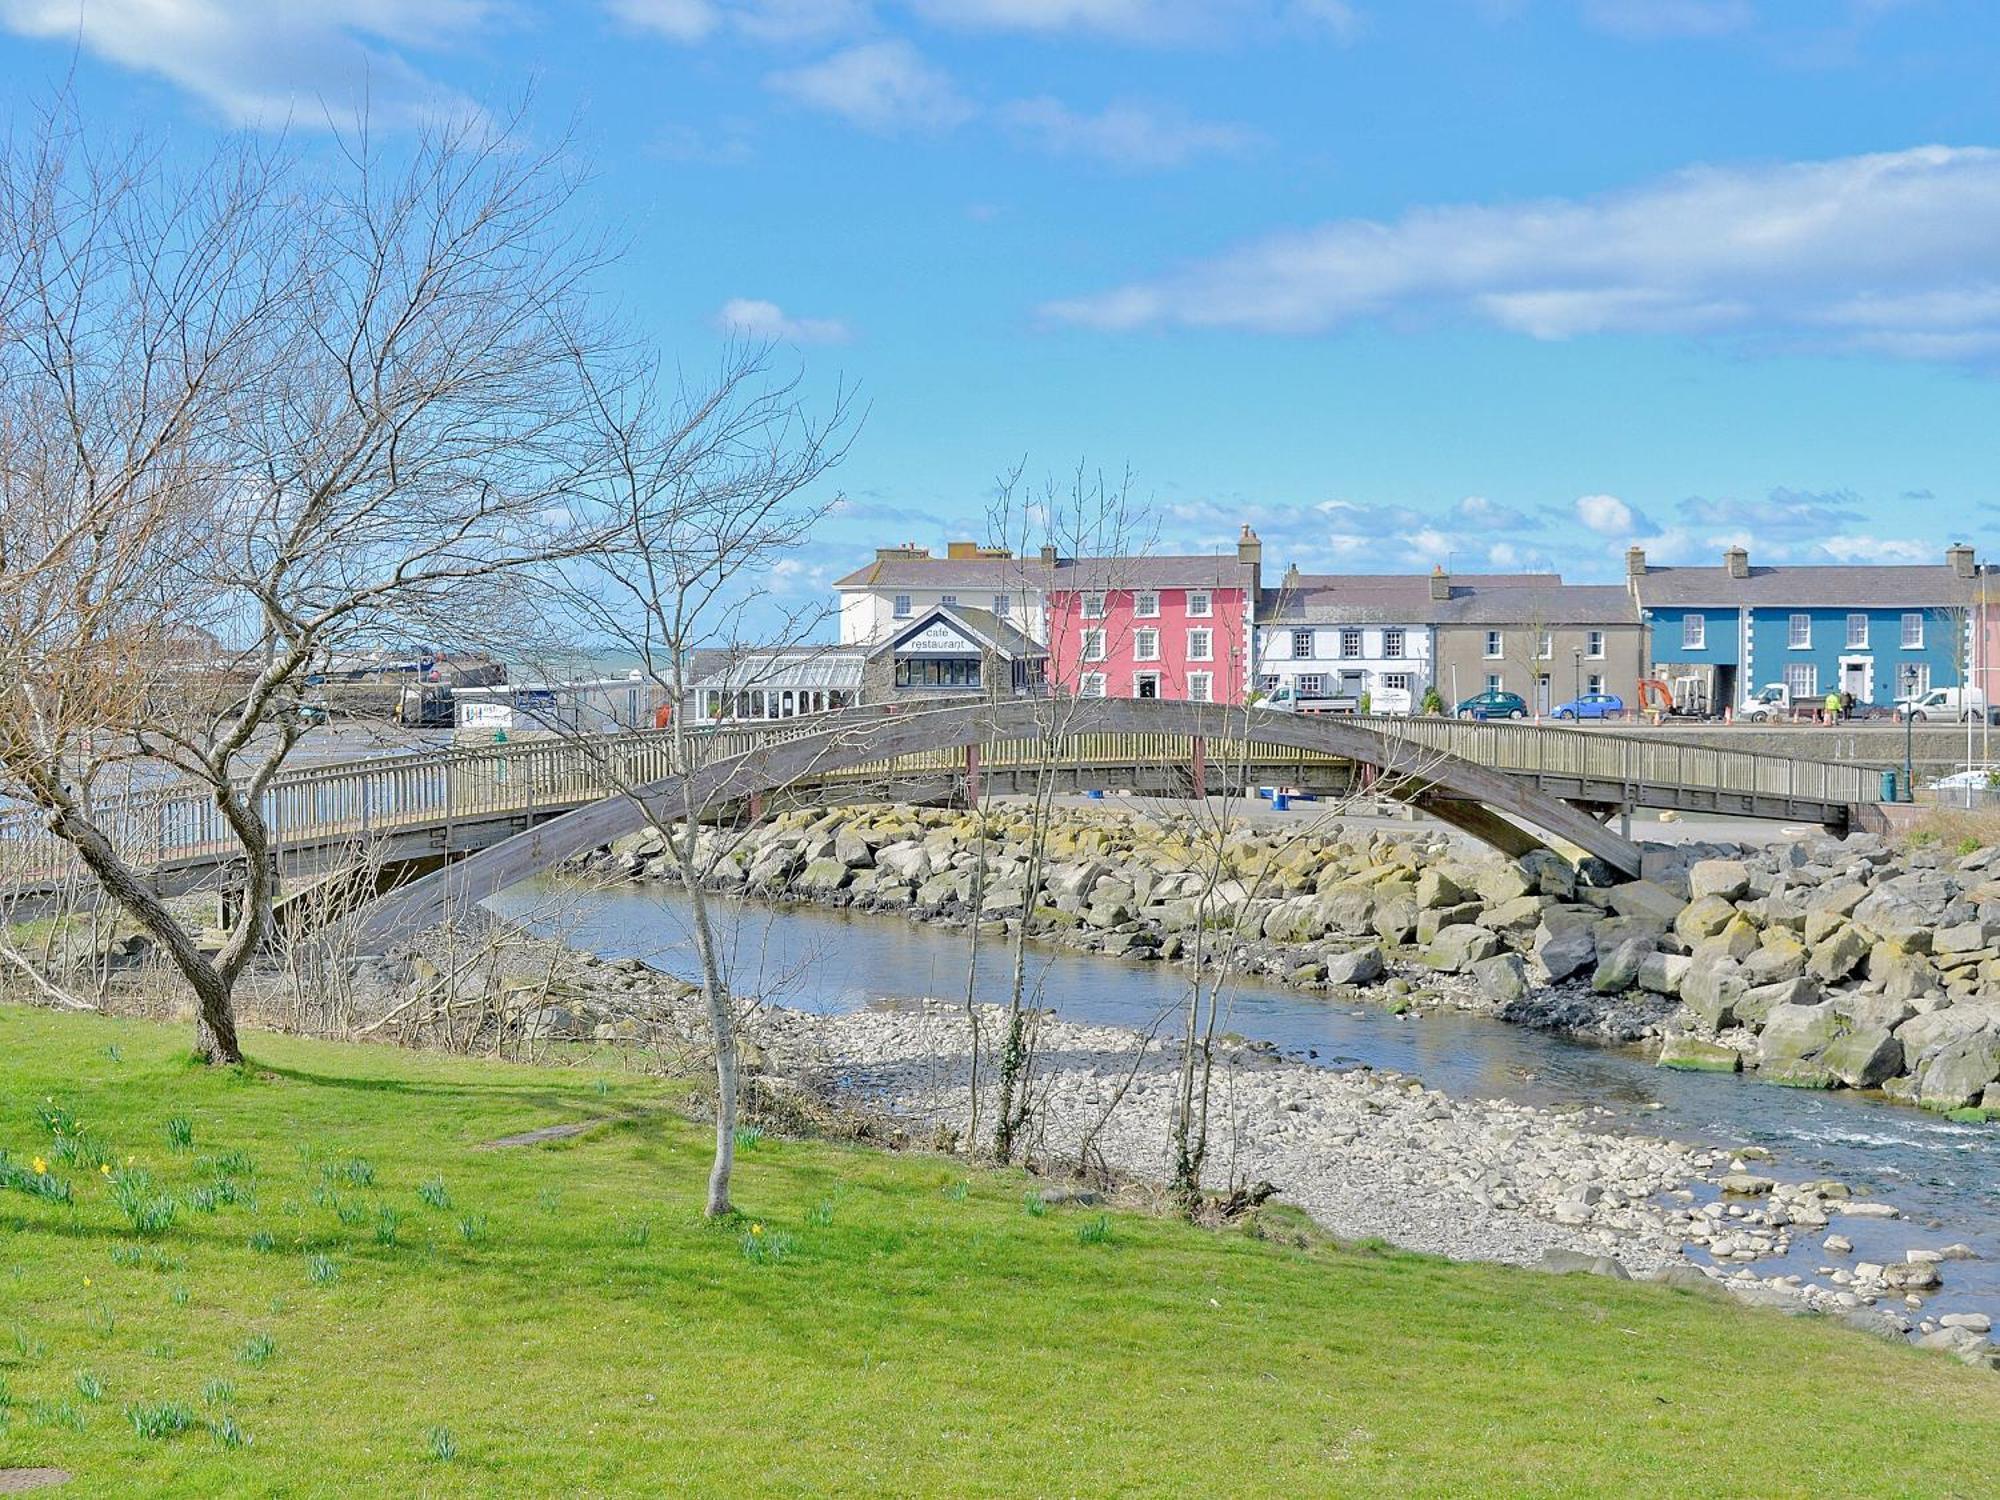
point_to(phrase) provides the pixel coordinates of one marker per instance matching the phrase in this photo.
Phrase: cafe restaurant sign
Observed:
(939, 639)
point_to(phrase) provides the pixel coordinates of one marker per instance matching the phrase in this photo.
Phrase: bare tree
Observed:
(712, 486)
(257, 415)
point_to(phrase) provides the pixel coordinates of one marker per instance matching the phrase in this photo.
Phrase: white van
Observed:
(1943, 703)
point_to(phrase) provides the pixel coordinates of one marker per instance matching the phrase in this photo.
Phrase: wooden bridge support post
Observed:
(1199, 768)
(972, 776)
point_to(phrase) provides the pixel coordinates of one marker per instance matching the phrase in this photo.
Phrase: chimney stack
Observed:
(907, 550)
(1959, 556)
(1737, 562)
(1048, 554)
(1440, 585)
(1635, 562)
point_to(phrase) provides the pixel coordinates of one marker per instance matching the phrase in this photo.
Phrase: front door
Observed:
(1542, 694)
(1854, 680)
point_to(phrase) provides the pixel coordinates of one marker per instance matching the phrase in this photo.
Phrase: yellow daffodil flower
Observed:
(39, 1165)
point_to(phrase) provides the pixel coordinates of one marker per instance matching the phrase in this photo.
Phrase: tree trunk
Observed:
(215, 1021)
(721, 1028)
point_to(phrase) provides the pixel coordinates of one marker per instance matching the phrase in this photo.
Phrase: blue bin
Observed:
(1889, 786)
(1280, 802)
(1094, 795)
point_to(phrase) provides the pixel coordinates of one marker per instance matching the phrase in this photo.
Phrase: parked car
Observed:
(1943, 703)
(1592, 706)
(1494, 703)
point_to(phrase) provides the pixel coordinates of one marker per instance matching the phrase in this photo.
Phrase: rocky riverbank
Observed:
(1821, 963)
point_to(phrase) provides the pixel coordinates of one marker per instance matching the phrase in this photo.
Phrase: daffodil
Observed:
(86, 1281)
(39, 1165)
(756, 1228)
(104, 1168)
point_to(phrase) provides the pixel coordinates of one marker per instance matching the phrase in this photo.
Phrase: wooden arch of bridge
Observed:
(1500, 807)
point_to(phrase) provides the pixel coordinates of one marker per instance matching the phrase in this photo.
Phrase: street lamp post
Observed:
(1576, 657)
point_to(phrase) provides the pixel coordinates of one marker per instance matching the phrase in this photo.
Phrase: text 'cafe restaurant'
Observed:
(953, 649)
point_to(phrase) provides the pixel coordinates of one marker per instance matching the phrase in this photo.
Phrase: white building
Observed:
(1344, 635)
(905, 582)
(609, 705)
(772, 682)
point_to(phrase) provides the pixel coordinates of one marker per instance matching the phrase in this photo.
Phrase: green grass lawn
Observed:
(354, 1297)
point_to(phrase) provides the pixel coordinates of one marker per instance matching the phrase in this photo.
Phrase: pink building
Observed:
(1156, 627)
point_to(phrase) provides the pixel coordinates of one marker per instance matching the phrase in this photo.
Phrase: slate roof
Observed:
(1566, 604)
(1008, 574)
(1382, 598)
(776, 667)
(982, 624)
(1809, 585)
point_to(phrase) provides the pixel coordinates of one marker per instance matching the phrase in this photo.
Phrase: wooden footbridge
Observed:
(503, 812)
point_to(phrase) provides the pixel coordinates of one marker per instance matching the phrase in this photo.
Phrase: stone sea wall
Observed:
(1817, 962)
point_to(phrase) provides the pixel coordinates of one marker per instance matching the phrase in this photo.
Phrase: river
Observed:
(1945, 1177)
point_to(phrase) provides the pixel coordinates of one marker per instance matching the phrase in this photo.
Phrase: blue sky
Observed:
(1505, 283)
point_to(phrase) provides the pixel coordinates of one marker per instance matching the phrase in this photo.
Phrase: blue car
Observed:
(1494, 703)
(1592, 706)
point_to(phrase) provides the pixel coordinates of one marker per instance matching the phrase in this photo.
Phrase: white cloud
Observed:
(1606, 515)
(1649, 20)
(1149, 21)
(272, 64)
(1125, 135)
(766, 320)
(884, 86)
(694, 21)
(1897, 253)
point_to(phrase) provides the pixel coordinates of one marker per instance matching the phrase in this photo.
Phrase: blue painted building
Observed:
(1879, 633)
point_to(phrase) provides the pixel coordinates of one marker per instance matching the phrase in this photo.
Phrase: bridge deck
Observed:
(460, 799)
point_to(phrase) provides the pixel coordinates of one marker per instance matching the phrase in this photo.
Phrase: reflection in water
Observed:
(1944, 1176)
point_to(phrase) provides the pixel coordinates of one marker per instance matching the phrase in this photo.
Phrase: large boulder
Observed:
(1838, 898)
(1864, 1057)
(1566, 950)
(1357, 966)
(1895, 918)
(1623, 945)
(1711, 987)
(1727, 878)
(1437, 887)
(823, 876)
(1958, 1073)
(1832, 958)
(1662, 973)
(1457, 949)
(1757, 1002)
(1553, 875)
(1499, 884)
(1502, 979)
(851, 848)
(1703, 919)
(1790, 1046)
(906, 861)
(1694, 1054)
(1780, 957)
(1901, 973)
(1646, 898)
(1349, 910)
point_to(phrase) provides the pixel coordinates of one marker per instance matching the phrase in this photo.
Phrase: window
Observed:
(1594, 684)
(1201, 687)
(1802, 680)
(1492, 682)
(1146, 645)
(1093, 645)
(1199, 605)
(1145, 684)
(1801, 632)
(1312, 685)
(1913, 632)
(1857, 630)
(1392, 644)
(1350, 643)
(1546, 646)
(1694, 632)
(947, 598)
(1200, 645)
(1003, 605)
(1495, 644)
(1913, 679)
(1302, 644)
(1091, 685)
(1146, 605)
(1267, 682)
(1395, 682)
(1593, 645)
(1093, 606)
(954, 673)
(902, 606)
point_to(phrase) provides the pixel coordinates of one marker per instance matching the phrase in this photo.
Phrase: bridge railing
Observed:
(390, 794)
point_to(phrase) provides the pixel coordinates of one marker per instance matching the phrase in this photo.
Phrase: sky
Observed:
(1489, 284)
